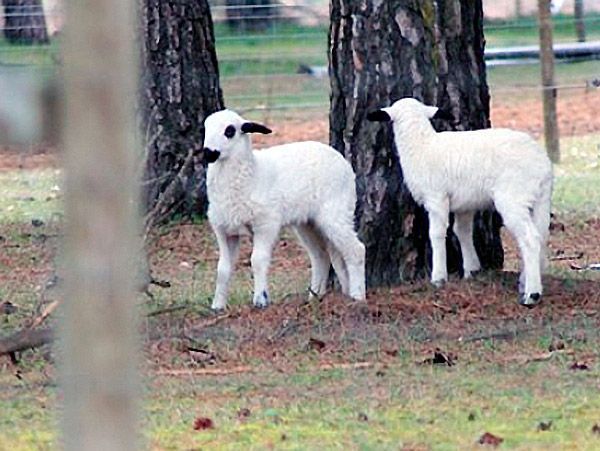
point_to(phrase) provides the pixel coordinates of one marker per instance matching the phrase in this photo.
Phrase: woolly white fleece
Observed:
(465, 171)
(306, 185)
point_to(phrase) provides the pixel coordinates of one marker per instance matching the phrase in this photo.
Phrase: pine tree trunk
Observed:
(380, 52)
(25, 22)
(180, 87)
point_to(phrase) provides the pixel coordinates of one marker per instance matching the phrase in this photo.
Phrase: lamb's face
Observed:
(401, 109)
(225, 133)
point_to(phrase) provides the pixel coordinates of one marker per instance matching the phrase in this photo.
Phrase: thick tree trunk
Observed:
(25, 22)
(380, 52)
(180, 87)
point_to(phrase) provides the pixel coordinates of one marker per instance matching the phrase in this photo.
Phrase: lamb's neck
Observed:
(412, 134)
(236, 174)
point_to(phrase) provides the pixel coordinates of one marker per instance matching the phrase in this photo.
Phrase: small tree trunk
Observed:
(380, 52)
(25, 22)
(549, 92)
(180, 87)
(579, 23)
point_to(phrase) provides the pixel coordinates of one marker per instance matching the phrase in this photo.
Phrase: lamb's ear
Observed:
(378, 116)
(254, 127)
(443, 114)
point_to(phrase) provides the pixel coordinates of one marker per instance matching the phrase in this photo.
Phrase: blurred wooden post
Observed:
(99, 345)
(579, 23)
(548, 90)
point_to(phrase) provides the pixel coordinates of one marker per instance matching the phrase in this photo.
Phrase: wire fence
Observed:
(273, 53)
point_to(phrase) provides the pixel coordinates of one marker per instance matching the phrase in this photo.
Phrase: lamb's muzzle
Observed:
(210, 156)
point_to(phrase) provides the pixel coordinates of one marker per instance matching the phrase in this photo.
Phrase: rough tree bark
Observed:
(381, 51)
(180, 87)
(24, 22)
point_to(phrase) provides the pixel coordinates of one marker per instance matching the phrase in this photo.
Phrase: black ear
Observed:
(443, 114)
(254, 127)
(378, 116)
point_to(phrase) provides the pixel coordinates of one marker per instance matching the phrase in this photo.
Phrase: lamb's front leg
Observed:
(264, 239)
(438, 226)
(228, 253)
(463, 228)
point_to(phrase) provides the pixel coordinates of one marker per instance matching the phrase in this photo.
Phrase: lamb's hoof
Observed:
(438, 283)
(218, 310)
(472, 274)
(261, 301)
(530, 300)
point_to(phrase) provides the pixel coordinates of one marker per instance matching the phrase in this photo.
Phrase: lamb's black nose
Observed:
(210, 155)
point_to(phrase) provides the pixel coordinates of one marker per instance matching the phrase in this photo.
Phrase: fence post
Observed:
(98, 331)
(579, 22)
(548, 88)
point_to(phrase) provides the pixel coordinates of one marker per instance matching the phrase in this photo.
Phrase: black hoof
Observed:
(262, 301)
(438, 283)
(531, 300)
(217, 311)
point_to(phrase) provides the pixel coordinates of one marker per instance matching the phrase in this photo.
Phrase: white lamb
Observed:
(306, 185)
(464, 171)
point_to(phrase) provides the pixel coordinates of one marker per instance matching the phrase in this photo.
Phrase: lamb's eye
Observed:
(230, 131)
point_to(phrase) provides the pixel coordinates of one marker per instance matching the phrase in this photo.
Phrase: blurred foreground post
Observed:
(99, 352)
(548, 89)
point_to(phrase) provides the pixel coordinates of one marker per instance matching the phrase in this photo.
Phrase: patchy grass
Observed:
(505, 388)
(394, 405)
(577, 187)
(30, 194)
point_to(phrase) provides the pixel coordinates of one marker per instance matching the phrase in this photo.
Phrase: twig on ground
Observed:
(162, 311)
(205, 371)
(501, 335)
(576, 256)
(45, 314)
(346, 366)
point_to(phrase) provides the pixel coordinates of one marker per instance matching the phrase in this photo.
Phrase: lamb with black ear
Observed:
(465, 171)
(306, 185)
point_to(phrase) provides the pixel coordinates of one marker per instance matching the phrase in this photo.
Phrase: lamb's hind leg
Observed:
(520, 224)
(319, 258)
(340, 268)
(342, 237)
(541, 218)
(463, 228)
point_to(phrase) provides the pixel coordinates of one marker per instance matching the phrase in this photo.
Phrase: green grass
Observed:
(577, 177)
(524, 31)
(405, 404)
(30, 194)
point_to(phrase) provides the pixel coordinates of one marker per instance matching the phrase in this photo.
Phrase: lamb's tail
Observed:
(541, 218)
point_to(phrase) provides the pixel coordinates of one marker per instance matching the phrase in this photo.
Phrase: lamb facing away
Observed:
(306, 185)
(464, 171)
